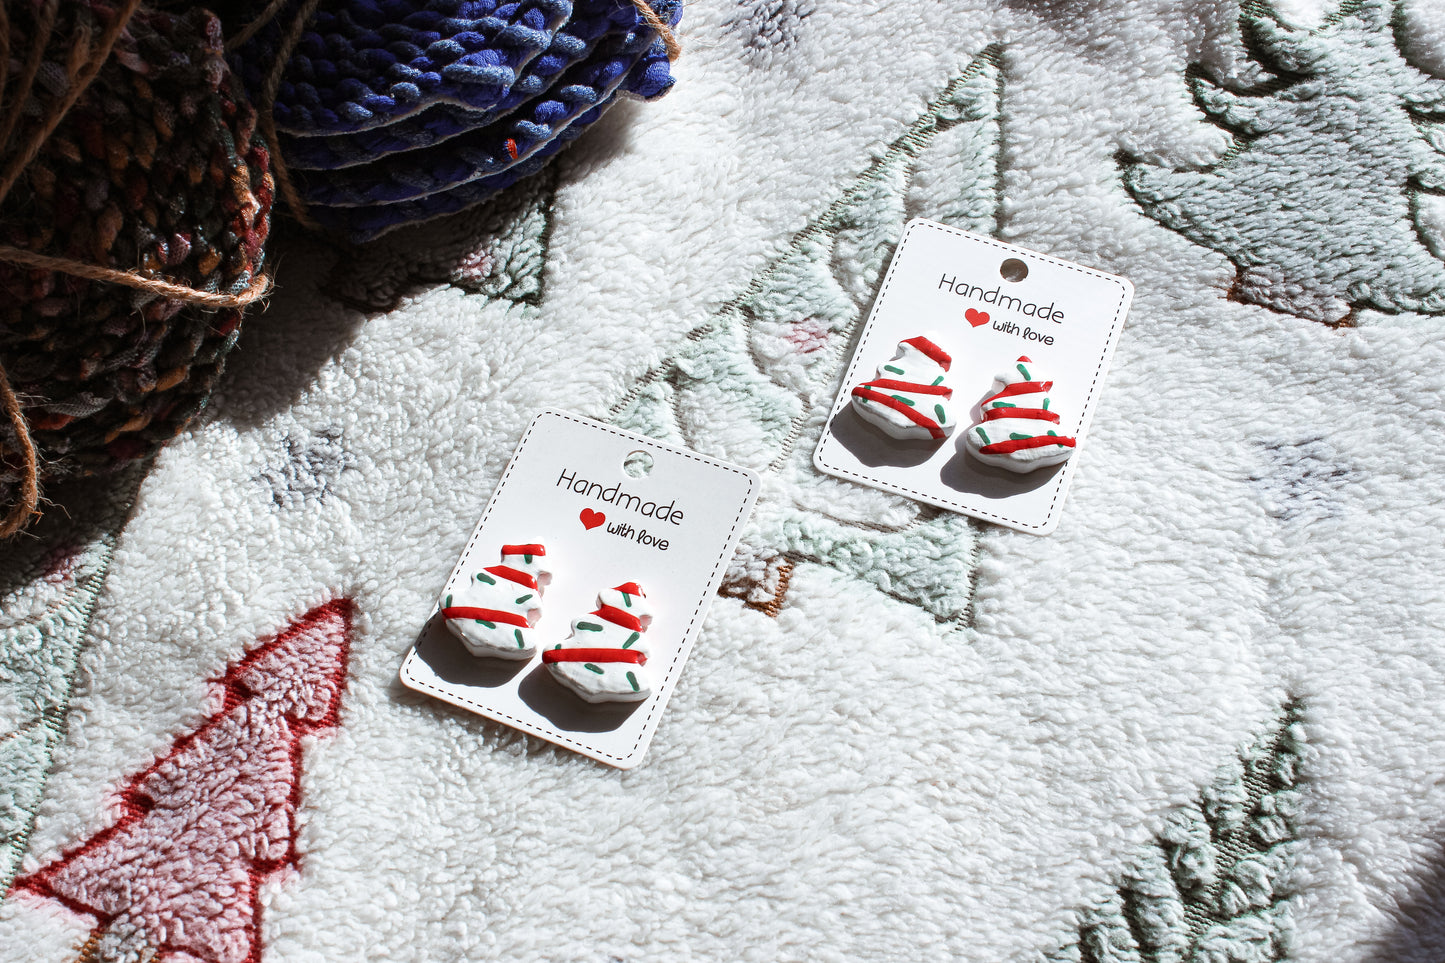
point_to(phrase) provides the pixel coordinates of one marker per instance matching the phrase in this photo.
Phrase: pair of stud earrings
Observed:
(604, 658)
(911, 400)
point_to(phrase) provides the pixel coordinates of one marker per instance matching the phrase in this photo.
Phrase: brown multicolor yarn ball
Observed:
(158, 168)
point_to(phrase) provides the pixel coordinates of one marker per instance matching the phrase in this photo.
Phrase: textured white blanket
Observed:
(1199, 722)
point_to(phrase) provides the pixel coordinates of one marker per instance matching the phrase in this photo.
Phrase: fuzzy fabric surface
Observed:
(1196, 723)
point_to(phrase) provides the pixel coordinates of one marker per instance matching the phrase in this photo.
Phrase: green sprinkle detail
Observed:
(520, 643)
(627, 600)
(938, 380)
(632, 680)
(889, 367)
(1054, 433)
(448, 603)
(1018, 437)
(1004, 404)
(902, 399)
(631, 639)
(484, 577)
(527, 559)
(983, 436)
(591, 667)
(522, 599)
(1025, 372)
(589, 627)
(938, 409)
(1046, 404)
(490, 625)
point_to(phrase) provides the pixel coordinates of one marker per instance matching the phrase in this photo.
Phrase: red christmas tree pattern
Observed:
(178, 876)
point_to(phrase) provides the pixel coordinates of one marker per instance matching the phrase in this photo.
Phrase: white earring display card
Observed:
(976, 377)
(579, 595)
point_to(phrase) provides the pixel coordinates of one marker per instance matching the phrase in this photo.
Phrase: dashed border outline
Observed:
(1085, 416)
(659, 698)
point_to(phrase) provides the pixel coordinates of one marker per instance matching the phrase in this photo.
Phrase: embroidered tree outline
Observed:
(178, 876)
(1316, 202)
(1216, 883)
(40, 652)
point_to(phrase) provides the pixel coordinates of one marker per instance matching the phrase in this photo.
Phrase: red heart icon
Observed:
(591, 519)
(975, 318)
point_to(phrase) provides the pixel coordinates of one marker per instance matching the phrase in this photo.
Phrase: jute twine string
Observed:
(94, 272)
(83, 64)
(660, 27)
(32, 66)
(19, 513)
(268, 99)
(254, 27)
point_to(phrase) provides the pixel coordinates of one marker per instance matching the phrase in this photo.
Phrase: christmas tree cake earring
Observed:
(603, 659)
(1018, 431)
(909, 400)
(493, 613)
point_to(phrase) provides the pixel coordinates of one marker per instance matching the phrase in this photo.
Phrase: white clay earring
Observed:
(1018, 430)
(909, 400)
(493, 613)
(605, 657)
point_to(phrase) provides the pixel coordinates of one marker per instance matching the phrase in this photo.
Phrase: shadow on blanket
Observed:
(1420, 920)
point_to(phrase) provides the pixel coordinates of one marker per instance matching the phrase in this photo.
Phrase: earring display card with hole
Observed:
(957, 311)
(602, 547)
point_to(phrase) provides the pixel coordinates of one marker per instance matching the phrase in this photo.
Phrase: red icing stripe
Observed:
(940, 357)
(486, 615)
(594, 655)
(1032, 414)
(1021, 388)
(1020, 444)
(524, 549)
(631, 588)
(619, 617)
(917, 389)
(512, 575)
(887, 401)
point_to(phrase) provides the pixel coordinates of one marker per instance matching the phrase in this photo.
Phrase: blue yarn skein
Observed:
(390, 112)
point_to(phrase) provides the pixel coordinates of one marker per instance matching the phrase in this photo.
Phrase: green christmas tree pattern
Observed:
(1215, 885)
(1316, 202)
(754, 383)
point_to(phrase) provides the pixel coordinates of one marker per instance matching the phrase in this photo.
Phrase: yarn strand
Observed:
(17, 516)
(79, 81)
(26, 78)
(93, 272)
(660, 27)
(254, 27)
(4, 57)
(266, 107)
